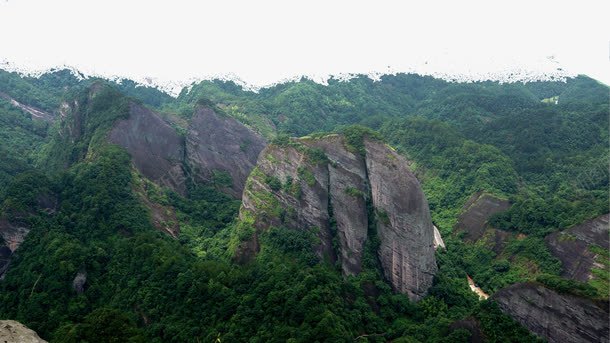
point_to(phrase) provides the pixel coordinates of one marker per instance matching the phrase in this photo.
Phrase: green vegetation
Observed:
(143, 285)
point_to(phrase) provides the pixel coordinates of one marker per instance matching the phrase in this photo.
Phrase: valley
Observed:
(407, 209)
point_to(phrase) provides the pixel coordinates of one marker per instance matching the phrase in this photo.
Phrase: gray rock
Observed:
(78, 284)
(404, 225)
(15, 332)
(156, 149)
(572, 247)
(477, 211)
(317, 193)
(553, 316)
(220, 143)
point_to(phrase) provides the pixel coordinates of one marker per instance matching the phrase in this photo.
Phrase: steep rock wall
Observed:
(220, 143)
(155, 147)
(553, 316)
(327, 187)
(404, 227)
(573, 247)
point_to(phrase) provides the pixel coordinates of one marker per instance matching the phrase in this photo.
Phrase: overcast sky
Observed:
(266, 41)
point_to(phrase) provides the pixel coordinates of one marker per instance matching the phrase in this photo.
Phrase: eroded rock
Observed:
(15, 332)
(324, 186)
(155, 147)
(573, 247)
(404, 225)
(477, 211)
(218, 143)
(553, 316)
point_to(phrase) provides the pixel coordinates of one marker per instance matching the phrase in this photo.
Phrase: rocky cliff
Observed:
(156, 149)
(475, 213)
(553, 316)
(328, 187)
(15, 227)
(218, 143)
(212, 144)
(573, 247)
(15, 332)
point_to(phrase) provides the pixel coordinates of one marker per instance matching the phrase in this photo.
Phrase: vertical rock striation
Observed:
(553, 316)
(404, 226)
(328, 187)
(155, 147)
(218, 142)
(573, 247)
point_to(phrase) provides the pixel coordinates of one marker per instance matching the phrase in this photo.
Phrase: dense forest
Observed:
(541, 145)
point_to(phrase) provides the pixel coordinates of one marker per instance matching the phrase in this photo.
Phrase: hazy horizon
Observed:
(267, 42)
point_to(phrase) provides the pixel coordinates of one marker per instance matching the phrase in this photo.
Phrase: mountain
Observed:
(302, 212)
(353, 195)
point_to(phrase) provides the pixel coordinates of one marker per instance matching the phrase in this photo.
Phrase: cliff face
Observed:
(220, 143)
(476, 212)
(12, 331)
(573, 247)
(555, 317)
(15, 228)
(155, 147)
(404, 226)
(214, 144)
(325, 186)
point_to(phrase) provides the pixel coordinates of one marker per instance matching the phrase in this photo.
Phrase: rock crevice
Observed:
(325, 186)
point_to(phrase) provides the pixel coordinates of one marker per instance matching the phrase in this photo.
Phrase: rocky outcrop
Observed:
(156, 149)
(218, 143)
(327, 187)
(79, 282)
(404, 226)
(215, 145)
(347, 185)
(15, 228)
(36, 113)
(12, 331)
(553, 316)
(573, 247)
(13, 233)
(476, 212)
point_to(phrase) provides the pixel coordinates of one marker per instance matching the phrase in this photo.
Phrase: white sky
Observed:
(266, 41)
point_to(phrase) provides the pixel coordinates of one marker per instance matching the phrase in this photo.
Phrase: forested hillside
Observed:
(113, 255)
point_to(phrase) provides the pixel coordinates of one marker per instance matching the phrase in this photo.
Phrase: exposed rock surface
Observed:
(78, 284)
(553, 316)
(15, 332)
(324, 186)
(572, 247)
(155, 147)
(404, 227)
(15, 228)
(36, 113)
(347, 186)
(220, 143)
(12, 235)
(477, 211)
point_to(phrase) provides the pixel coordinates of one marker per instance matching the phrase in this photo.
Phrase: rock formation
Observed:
(15, 332)
(332, 189)
(155, 147)
(215, 144)
(79, 282)
(553, 316)
(573, 247)
(476, 212)
(219, 143)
